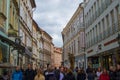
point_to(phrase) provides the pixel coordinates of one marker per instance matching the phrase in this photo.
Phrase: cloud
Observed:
(53, 15)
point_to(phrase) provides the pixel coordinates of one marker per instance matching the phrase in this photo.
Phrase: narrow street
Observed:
(60, 40)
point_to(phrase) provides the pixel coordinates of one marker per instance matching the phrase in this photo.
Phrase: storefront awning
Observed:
(6, 65)
(11, 43)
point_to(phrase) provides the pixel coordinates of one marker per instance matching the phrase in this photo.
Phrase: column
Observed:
(111, 22)
(119, 16)
(115, 19)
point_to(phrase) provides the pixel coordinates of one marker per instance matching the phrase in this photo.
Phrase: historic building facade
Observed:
(46, 48)
(25, 30)
(57, 57)
(102, 26)
(9, 44)
(35, 42)
(73, 38)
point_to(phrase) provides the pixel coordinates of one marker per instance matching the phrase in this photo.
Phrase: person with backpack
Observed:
(57, 73)
(49, 74)
(70, 75)
(29, 73)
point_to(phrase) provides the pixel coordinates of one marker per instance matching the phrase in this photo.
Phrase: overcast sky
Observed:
(53, 15)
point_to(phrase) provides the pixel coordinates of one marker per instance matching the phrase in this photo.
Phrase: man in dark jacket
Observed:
(29, 73)
(118, 72)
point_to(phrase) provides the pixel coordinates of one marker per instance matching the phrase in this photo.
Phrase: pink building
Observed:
(57, 56)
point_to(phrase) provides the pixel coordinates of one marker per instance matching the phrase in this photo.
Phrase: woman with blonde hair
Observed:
(39, 75)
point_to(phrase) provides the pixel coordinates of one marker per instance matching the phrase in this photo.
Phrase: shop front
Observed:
(5, 49)
(93, 62)
(80, 61)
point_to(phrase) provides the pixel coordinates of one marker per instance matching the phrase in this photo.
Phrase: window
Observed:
(112, 17)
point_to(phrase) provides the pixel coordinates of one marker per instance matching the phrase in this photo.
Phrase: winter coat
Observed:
(91, 76)
(50, 76)
(104, 76)
(70, 76)
(29, 74)
(81, 76)
(40, 77)
(118, 75)
(17, 75)
(112, 75)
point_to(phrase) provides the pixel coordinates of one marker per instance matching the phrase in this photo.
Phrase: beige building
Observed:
(25, 29)
(35, 44)
(57, 57)
(46, 46)
(73, 39)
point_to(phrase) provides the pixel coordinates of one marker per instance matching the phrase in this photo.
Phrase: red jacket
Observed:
(104, 76)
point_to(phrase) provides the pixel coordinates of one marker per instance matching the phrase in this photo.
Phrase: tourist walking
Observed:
(81, 75)
(104, 75)
(62, 74)
(29, 73)
(39, 75)
(90, 74)
(70, 75)
(5, 76)
(98, 73)
(112, 73)
(49, 74)
(17, 74)
(118, 72)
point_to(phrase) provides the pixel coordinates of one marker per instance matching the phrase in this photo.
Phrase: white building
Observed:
(73, 39)
(102, 25)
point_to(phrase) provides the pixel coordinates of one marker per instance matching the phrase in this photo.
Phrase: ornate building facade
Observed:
(73, 39)
(102, 26)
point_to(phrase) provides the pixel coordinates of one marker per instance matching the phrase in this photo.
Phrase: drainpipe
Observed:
(7, 15)
(18, 63)
(7, 26)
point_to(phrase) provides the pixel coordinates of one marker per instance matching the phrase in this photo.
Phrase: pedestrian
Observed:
(17, 74)
(81, 75)
(62, 75)
(57, 73)
(104, 75)
(29, 73)
(39, 75)
(98, 73)
(118, 71)
(91, 74)
(75, 72)
(5, 76)
(112, 73)
(49, 74)
(70, 75)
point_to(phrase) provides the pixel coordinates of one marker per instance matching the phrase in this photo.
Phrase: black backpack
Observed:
(57, 74)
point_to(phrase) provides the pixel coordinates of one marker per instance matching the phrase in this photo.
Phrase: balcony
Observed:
(2, 21)
(29, 48)
(12, 32)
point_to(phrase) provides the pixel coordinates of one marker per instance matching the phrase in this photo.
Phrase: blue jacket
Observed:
(17, 75)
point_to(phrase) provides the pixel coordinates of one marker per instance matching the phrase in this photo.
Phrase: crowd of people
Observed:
(64, 73)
